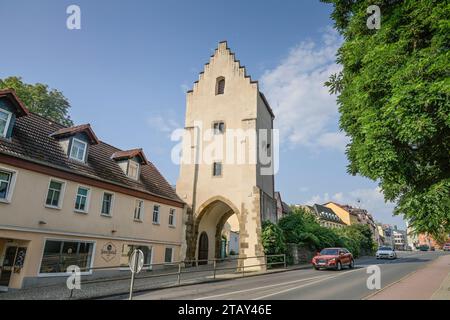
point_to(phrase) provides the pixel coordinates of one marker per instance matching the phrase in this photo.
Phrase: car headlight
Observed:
(332, 260)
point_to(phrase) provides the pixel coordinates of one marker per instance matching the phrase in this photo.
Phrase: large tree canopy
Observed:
(393, 97)
(38, 98)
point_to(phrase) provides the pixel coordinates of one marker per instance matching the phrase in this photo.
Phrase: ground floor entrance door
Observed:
(203, 248)
(8, 265)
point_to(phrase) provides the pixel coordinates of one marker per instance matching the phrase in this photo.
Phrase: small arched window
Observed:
(220, 86)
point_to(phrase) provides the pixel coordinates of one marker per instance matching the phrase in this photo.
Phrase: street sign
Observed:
(136, 261)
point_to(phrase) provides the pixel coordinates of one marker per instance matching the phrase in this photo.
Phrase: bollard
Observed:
(215, 269)
(179, 273)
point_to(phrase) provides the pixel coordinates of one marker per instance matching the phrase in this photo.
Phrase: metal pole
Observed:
(215, 265)
(285, 262)
(179, 273)
(132, 275)
(243, 269)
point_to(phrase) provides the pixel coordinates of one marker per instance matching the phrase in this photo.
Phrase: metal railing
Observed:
(187, 267)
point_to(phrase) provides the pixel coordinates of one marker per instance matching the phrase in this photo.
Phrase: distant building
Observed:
(381, 236)
(343, 213)
(400, 242)
(282, 207)
(350, 216)
(388, 235)
(233, 243)
(412, 239)
(325, 216)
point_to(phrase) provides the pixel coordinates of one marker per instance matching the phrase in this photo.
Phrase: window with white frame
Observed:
(138, 210)
(78, 150)
(133, 170)
(172, 217)
(107, 203)
(5, 119)
(156, 214)
(168, 255)
(6, 181)
(82, 199)
(54, 194)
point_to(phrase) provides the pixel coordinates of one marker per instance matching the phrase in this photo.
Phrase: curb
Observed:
(400, 280)
(299, 267)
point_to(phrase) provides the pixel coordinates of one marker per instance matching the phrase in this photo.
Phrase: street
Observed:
(307, 284)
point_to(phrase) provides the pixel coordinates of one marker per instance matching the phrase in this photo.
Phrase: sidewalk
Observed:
(120, 286)
(430, 283)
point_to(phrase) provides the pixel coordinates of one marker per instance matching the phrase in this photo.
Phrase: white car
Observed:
(386, 253)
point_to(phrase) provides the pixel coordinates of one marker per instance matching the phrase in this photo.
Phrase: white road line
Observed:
(259, 288)
(305, 285)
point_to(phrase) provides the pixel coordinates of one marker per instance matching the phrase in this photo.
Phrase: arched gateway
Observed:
(228, 131)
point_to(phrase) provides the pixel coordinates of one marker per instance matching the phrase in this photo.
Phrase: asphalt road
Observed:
(307, 284)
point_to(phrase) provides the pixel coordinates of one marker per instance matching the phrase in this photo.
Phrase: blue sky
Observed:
(126, 72)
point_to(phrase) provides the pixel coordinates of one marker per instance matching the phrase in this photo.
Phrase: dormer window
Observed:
(5, 119)
(75, 141)
(133, 170)
(78, 150)
(130, 162)
(11, 108)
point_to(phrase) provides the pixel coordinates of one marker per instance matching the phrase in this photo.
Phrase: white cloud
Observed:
(305, 110)
(333, 140)
(371, 199)
(162, 124)
(184, 88)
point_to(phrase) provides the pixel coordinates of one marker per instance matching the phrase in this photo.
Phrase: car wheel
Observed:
(352, 264)
(338, 266)
(316, 268)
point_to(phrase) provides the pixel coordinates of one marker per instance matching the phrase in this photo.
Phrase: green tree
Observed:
(393, 97)
(273, 242)
(39, 99)
(273, 239)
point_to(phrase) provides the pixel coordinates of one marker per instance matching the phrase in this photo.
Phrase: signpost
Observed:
(135, 263)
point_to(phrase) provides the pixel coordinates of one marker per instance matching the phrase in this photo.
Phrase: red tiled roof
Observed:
(119, 155)
(32, 141)
(11, 95)
(85, 128)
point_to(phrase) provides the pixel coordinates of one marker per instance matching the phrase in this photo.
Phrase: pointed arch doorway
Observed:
(203, 247)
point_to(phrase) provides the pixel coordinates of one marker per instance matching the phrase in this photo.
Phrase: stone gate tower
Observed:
(226, 105)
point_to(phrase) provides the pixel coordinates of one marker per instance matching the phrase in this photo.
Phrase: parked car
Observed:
(386, 253)
(424, 248)
(446, 247)
(333, 258)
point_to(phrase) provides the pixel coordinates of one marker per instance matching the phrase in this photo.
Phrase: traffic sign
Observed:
(136, 262)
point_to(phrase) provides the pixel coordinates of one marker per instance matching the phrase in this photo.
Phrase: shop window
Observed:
(59, 255)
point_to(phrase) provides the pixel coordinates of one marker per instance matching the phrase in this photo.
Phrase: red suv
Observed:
(333, 258)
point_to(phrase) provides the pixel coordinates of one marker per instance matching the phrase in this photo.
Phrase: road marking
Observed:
(427, 263)
(305, 285)
(259, 288)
